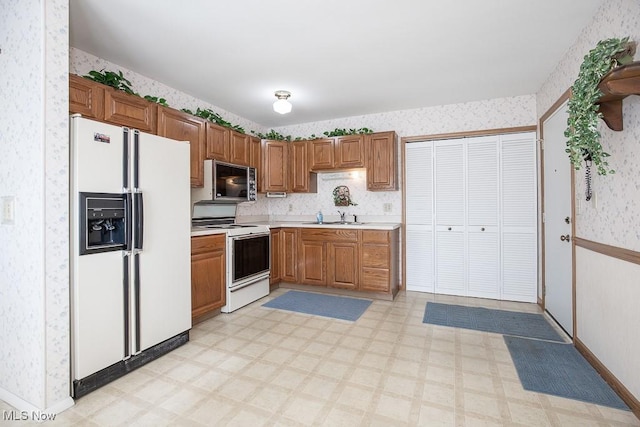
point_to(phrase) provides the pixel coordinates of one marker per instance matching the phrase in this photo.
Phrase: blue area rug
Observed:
(321, 305)
(560, 370)
(530, 325)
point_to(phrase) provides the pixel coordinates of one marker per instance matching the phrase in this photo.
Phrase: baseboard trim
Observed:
(22, 405)
(616, 385)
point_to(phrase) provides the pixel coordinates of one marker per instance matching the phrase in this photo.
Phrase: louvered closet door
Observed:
(483, 248)
(419, 217)
(449, 165)
(519, 218)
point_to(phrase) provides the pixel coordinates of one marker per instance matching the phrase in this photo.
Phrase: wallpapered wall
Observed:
(606, 288)
(34, 267)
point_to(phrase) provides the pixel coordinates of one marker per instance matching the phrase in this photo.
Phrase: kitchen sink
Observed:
(336, 223)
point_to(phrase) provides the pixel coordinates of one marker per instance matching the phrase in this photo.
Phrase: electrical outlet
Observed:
(8, 209)
(386, 207)
(290, 207)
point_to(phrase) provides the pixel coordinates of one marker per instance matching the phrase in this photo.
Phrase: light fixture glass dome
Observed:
(282, 106)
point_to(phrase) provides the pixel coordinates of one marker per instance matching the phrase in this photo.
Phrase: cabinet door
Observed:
(208, 274)
(301, 179)
(276, 164)
(313, 261)
(240, 150)
(276, 257)
(321, 154)
(123, 109)
(382, 161)
(289, 254)
(255, 154)
(349, 152)
(86, 97)
(342, 269)
(181, 126)
(217, 142)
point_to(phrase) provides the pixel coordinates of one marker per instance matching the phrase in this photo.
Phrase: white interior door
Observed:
(558, 256)
(419, 217)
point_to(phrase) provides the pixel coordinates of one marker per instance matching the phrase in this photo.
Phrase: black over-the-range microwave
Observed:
(233, 183)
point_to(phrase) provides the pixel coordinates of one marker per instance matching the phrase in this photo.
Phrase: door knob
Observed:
(565, 238)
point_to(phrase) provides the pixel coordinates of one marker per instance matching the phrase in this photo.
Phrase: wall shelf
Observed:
(615, 86)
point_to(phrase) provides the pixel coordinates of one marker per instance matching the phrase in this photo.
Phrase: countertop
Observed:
(302, 224)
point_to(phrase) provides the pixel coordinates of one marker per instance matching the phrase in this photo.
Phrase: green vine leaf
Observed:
(583, 141)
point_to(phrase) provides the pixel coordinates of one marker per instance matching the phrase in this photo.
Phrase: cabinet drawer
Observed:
(201, 244)
(374, 279)
(331, 234)
(373, 236)
(376, 256)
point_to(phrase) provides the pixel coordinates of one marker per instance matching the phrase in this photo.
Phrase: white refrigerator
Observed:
(130, 250)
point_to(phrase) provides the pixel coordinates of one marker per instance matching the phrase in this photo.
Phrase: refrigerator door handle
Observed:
(125, 158)
(128, 221)
(127, 306)
(136, 296)
(138, 239)
(136, 159)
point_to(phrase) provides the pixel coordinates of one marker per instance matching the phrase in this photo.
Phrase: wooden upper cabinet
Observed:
(382, 163)
(129, 110)
(255, 152)
(350, 152)
(181, 126)
(86, 97)
(240, 152)
(321, 154)
(97, 101)
(275, 166)
(300, 178)
(217, 142)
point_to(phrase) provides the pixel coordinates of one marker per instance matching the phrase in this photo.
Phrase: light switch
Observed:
(8, 210)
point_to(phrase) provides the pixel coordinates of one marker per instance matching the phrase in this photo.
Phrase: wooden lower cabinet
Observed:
(275, 273)
(289, 251)
(379, 261)
(208, 275)
(342, 266)
(349, 259)
(313, 261)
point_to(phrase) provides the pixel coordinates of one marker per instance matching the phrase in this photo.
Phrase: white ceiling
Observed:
(339, 58)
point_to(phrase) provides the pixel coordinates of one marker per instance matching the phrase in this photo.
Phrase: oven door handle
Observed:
(249, 236)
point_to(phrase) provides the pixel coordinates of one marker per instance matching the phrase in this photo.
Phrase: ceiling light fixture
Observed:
(282, 106)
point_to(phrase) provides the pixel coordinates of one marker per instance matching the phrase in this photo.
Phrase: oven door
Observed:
(250, 257)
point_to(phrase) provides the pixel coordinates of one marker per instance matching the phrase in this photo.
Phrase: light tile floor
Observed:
(260, 366)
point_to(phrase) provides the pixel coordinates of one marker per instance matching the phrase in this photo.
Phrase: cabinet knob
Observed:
(482, 229)
(449, 228)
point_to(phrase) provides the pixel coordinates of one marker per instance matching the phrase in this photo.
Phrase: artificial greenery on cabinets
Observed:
(583, 143)
(119, 82)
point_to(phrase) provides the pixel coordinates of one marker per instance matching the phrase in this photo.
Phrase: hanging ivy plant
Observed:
(583, 143)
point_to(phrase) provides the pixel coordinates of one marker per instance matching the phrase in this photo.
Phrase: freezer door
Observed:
(164, 288)
(98, 156)
(98, 320)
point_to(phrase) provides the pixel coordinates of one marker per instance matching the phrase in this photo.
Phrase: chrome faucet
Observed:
(342, 214)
